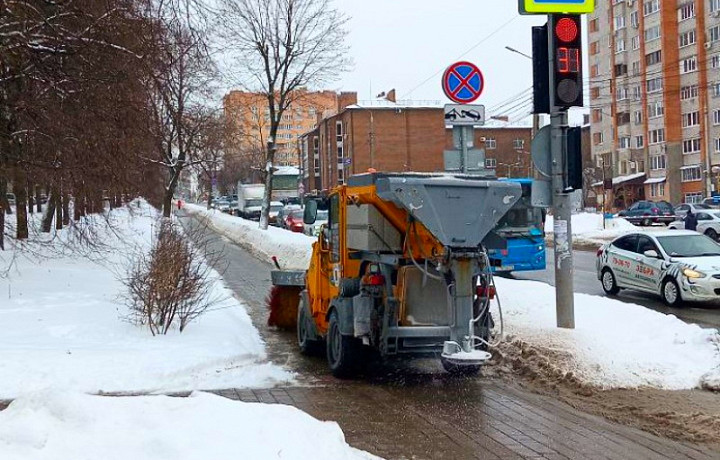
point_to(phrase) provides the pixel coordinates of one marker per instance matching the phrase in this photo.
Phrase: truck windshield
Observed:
(253, 203)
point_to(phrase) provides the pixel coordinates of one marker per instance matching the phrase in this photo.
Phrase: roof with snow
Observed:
(286, 171)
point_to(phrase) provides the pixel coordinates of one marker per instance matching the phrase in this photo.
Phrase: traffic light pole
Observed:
(562, 228)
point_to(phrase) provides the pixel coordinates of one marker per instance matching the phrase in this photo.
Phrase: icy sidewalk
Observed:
(62, 326)
(55, 426)
(615, 345)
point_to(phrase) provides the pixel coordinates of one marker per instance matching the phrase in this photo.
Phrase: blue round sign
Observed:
(463, 82)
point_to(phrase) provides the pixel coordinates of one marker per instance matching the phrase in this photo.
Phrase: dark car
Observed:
(649, 212)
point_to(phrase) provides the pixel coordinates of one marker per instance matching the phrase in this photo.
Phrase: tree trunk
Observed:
(49, 214)
(267, 198)
(38, 199)
(21, 232)
(3, 208)
(66, 209)
(77, 208)
(167, 203)
(58, 210)
(31, 197)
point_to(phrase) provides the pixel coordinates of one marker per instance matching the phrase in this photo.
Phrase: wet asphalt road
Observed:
(416, 410)
(586, 282)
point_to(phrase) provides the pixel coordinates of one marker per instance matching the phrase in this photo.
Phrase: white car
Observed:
(678, 265)
(682, 210)
(708, 223)
(316, 228)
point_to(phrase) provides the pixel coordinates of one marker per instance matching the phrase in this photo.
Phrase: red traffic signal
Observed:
(566, 48)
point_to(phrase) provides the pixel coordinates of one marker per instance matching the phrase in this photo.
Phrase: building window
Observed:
(593, 25)
(657, 136)
(650, 7)
(689, 92)
(687, 39)
(691, 119)
(490, 143)
(597, 115)
(686, 11)
(714, 33)
(638, 117)
(620, 70)
(716, 89)
(639, 142)
(715, 60)
(340, 153)
(653, 58)
(636, 42)
(691, 146)
(654, 85)
(657, 189)
(619, 22)
(693, 198)
(619, 45)
(598, 138)
(657, 162)
(691, 173)
(490, 163)
(656, 109)
(316, 166)
(717, 145)
(625, 142)
(634, 20)
(653, 33)
(622, 93)
(341, 176)
(716, 117)
(714, 5)
(688, 65)
(519, 144)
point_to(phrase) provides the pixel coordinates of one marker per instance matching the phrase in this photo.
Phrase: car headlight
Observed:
(693, 274)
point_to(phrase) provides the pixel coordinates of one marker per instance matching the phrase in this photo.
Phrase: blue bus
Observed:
(524, 229)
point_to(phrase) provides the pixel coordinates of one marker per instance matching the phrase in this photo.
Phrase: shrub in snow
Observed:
(171, 285)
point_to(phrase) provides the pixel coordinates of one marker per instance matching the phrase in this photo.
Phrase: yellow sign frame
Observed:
(567, 6)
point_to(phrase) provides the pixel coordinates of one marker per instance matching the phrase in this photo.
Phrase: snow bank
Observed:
(56, 426)
(62, 326)
(293, 250)
(615, 344)
(588, 228)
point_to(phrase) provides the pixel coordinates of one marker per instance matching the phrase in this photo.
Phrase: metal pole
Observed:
(464, 149)
(562, 209)
(564, 295)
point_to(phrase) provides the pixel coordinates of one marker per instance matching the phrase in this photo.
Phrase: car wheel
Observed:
(671, 293)
(646, 222)
(342, 351)
(609, 284)
(712, 234)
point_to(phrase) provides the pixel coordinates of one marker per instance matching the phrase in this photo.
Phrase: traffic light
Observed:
(566, 48)
(573, 159)
(541, 70)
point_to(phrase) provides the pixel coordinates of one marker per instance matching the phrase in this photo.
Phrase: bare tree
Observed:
(280, 47)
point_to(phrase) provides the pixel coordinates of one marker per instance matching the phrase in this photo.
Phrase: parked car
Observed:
(284, 213)
(222, 205)
(316, 228)
(678, 265)
(708, 223)
(649, 212)
(11, 198)
(275, 208)
(682, 210)
(232, 207)
(294, 221)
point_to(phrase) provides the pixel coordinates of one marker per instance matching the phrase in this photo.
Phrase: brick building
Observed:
(389, 136)
(250, 117)
(655, 97)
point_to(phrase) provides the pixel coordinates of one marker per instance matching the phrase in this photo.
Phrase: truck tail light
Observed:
(483, 291)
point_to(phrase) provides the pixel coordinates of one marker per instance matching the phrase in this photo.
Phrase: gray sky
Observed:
(401, 44)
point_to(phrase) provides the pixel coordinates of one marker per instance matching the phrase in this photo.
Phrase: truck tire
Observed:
(309, 346)
(343, 351)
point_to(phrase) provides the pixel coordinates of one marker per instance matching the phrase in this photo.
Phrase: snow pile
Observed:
(588, 228)
(615, 344)
(55, 426)
(61, 315)
(293, 250)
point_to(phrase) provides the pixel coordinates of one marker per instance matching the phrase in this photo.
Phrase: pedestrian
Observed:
(691, 221)
(180, 204)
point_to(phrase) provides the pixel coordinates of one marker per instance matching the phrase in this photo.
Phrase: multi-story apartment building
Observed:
(396, 137)
(249, 116)
(655, 98)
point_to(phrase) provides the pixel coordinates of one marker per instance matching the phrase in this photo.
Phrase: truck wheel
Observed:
(342, 351)
(308, 345)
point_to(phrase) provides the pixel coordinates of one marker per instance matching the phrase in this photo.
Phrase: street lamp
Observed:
(513, 50)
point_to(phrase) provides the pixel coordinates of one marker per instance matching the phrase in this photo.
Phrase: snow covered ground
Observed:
(293, 250)
(588, 228)
(63, 328)
(615, 344)
(62, 426)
